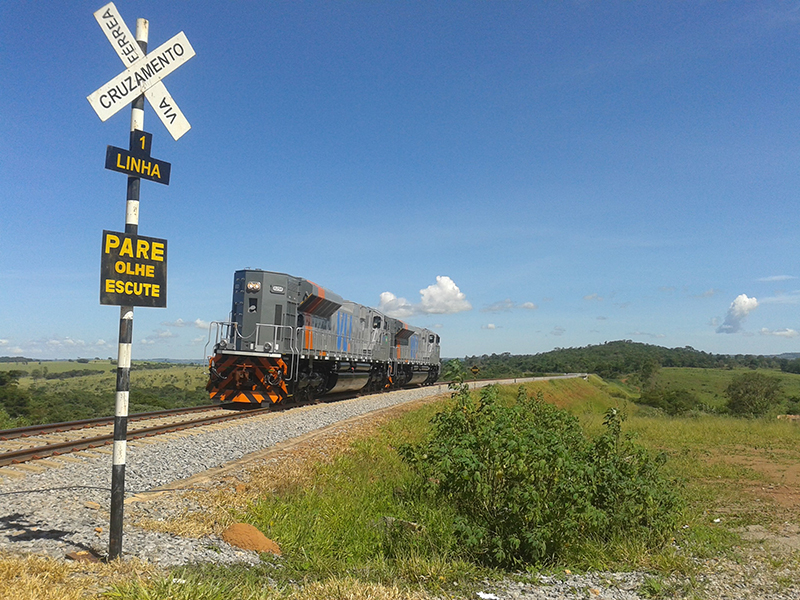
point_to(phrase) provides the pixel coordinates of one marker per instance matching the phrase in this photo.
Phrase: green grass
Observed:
(358, 520)
(335, 533)
(57, 366)
(154, 386)
(709, 384)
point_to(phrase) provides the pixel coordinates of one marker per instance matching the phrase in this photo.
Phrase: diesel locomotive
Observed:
(289, 340)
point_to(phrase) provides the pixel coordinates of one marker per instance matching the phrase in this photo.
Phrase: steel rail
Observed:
(34, 430)
(25, 455)
(28, 454)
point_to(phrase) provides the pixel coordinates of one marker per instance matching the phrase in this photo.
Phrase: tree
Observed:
(752, 394)
(15, 401)
(454, 371)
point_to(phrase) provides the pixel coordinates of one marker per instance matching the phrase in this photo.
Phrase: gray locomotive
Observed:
(290, 340)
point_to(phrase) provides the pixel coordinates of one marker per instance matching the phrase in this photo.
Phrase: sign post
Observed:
(475, 370)
(133, 267)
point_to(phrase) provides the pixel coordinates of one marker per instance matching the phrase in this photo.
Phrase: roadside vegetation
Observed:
(665, 470)
(432, 503)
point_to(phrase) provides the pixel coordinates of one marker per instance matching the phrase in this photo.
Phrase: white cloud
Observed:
(440, 298)
(400, 308)
(787, 333)
(66, 342)
(788, 298)
(59, 347)
(489, 326)
(443, 298)
(198, 323)
(558, 331)
(593, 297)
(710, 293)
(773, 278)
(737, 312)
(176, 323)
(157, 337)
(508, 305)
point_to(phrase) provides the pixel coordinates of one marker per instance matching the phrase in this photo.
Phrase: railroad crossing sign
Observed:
(136, 161)
(143, 73)
(475, 369)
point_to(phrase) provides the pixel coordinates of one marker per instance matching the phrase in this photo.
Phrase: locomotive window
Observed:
(376, 322)
(431, 338)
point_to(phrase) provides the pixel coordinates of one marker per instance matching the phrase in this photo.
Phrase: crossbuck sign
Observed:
(143, 75)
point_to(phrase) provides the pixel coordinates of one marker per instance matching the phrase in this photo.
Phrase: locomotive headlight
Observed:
(267, 347)
(253, 286)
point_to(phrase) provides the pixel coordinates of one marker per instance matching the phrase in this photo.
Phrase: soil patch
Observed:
(778, 474)
(247, 537)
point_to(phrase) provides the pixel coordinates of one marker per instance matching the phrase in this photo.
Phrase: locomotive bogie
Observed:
(289, 339)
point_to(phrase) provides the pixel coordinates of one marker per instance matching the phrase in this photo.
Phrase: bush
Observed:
(753, 394)
(672, 402)
(529, 488)
(14, 401)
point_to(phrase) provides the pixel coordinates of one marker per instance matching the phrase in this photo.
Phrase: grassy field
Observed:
(68, 390)
(709, 384)
(326, 503)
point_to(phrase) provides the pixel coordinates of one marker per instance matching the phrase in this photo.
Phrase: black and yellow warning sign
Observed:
(137, 161)
(133, 270)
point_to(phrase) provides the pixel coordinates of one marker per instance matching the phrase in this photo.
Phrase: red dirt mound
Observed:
(247, 537)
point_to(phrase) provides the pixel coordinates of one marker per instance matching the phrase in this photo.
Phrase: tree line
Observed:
(618, 358)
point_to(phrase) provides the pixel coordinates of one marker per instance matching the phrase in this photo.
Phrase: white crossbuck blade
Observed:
(144, 73)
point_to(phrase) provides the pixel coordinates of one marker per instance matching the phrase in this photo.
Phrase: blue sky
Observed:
(518, 175)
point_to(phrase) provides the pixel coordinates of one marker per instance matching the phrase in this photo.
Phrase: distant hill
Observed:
(171, 361)
(176, 361)
(614, 359)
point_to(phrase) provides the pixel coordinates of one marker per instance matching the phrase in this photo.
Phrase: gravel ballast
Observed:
(65, 509)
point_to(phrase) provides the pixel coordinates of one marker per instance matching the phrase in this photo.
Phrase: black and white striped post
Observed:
(125, 341)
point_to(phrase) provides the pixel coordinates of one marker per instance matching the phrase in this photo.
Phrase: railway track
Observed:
(26, 444)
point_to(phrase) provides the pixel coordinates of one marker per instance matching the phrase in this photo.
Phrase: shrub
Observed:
(753, 394)
(529, 488)
(672, 402)
(13, 400)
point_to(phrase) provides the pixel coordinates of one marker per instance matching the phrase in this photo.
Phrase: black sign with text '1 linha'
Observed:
(137, 161)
